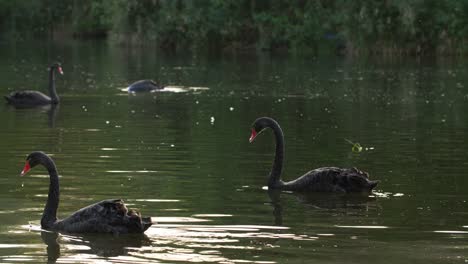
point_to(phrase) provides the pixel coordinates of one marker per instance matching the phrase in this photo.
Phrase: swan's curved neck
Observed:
(52, 91)
(275, 174)
(49, 217)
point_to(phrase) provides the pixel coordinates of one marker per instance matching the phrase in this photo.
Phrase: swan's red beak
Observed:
(252, 135)
(26, 168)
(60, 70)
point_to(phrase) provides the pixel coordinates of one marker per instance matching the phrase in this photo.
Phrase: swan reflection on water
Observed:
(92, 244)
(53, 247)
(321, 201)
(51, 110)
(174, 239)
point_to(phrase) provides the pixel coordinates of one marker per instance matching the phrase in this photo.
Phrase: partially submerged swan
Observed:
(35, 98)
(144, 86)
(108, 216)
(326, 179)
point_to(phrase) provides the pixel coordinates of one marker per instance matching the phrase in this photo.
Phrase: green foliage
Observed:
(418, 26)
(92, 17)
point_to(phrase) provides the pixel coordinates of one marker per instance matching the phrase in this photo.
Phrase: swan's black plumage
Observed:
(326, 179)
(144, 86)
(108, 216)
(35, 98)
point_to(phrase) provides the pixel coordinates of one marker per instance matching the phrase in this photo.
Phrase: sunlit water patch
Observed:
(181, 242)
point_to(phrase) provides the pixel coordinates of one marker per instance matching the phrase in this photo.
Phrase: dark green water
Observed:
(183, 158)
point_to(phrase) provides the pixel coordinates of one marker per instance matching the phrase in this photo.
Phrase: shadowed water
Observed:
(182, 156)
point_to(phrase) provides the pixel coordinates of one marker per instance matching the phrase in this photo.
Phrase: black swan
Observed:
(36, 98)
(327, 179)
(108, 216)
(144, 86)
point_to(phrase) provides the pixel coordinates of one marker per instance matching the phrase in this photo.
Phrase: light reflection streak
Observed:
(18, 258)
(363, 226)
(212, 215)
(179, 220)
(386, 194)
(21, 246)
(39, 176)
(450, 232)
(156, 200)
(110, 149)
(30, 209)
(127, 171)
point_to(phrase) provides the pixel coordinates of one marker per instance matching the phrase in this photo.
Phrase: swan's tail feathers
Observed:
(7, 98)
(146, 223)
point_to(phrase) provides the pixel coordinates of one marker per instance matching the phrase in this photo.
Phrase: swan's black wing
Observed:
(108, 216)
(332, 179)
(27, 98)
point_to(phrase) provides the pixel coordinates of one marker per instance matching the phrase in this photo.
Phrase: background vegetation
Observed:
(385, 26)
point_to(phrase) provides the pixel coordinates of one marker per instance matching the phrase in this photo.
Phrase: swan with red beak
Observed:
(326, 179)
(108, 216)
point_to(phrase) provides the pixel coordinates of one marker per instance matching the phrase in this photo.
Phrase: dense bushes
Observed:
(385, 26)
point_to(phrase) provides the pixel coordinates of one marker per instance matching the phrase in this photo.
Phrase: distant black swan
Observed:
(327, 179)
(36, 98)
(144, 86)
(108, 216)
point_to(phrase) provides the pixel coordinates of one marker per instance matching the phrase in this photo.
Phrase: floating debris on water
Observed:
(356, 146)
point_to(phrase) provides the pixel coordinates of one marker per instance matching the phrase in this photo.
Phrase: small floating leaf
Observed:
(356, 148)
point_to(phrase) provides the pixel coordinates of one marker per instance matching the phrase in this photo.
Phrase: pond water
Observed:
(183, 156)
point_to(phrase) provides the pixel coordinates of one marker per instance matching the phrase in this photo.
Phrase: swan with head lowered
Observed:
(108, 216)
(35, 98)
(144, 86)
(326, 179)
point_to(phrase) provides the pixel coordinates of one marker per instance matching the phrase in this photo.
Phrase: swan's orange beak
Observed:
(26, 168)
(253, 135)
(60, 70)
